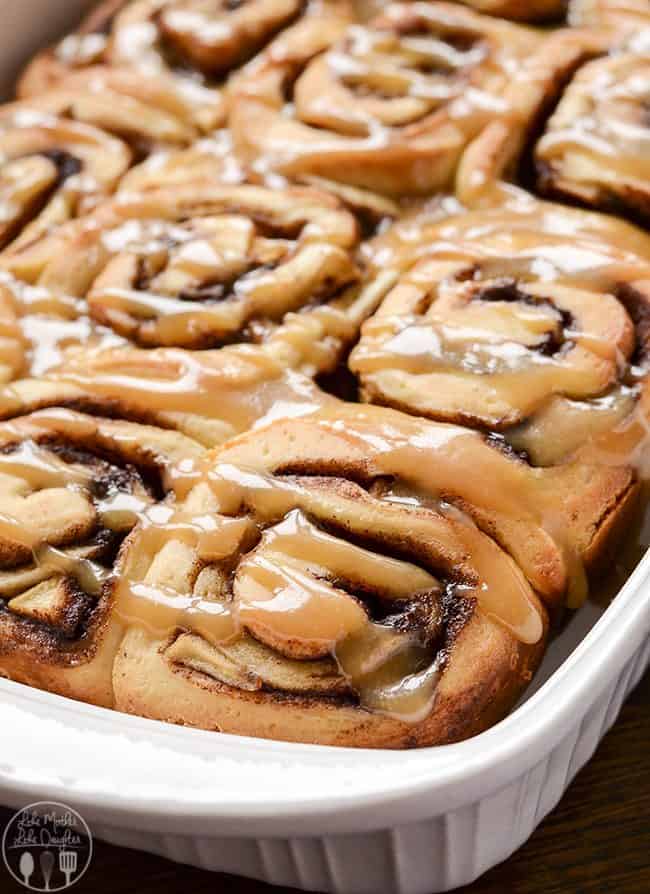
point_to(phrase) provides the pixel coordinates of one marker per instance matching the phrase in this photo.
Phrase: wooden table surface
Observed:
(597, 840)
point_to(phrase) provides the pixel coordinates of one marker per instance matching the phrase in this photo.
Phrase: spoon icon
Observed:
(47, 865)
(26, 867)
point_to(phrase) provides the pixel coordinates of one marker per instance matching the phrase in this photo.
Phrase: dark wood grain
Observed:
(597, 840)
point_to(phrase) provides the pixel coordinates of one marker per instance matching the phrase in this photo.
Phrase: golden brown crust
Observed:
(486, 672)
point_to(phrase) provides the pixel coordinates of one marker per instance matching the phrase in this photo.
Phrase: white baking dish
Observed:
(322, 819)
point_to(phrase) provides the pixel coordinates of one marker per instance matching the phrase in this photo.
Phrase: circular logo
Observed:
(47, 846)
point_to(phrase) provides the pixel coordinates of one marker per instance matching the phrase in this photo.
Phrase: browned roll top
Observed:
(500, 325)
(389, 107)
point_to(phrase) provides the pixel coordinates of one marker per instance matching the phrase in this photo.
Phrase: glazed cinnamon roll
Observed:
(352, 578)
(185, 47)
(388, 108)
(198, 266)
(147, 111)
(51, 169)
(498, 325)
(596, 146)
(71, 489)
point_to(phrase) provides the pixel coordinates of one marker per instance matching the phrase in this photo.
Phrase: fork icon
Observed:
(68, 865)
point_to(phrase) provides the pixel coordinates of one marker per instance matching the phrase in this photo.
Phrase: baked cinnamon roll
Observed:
(186, 48)
(199, 266)
(51, 169)
(596, 146)
(356, 577)
(146, 110)
(71, 489)
(388, 108)
(497, 325)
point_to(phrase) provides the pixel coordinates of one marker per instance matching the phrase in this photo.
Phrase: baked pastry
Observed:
(204, 204)
(407, 551)
(196, 266)
(496, 326)
(51, 169)
(388, 108)
(181, 49)
(596, 146)
(71, 488)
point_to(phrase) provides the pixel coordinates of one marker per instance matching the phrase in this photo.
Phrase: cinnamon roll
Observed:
(198, 266)
(596, 147)
(388, 108)
(186, 48)
(51, 169)
(356, 577)
(71, 489)
(498, 325)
